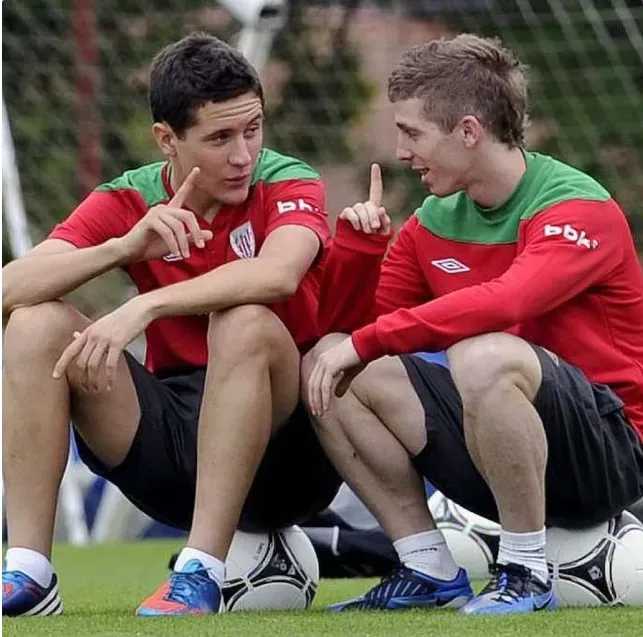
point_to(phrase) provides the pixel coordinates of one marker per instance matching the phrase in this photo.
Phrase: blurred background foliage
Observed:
(585, 59)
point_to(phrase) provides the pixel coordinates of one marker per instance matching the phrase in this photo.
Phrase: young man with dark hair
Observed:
(524, 270)
(224, 240)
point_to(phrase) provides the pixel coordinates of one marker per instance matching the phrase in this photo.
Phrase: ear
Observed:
(165, 138)
(471, 130)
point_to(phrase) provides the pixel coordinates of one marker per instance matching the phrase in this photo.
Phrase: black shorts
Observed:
(595, 457)
(294, 481)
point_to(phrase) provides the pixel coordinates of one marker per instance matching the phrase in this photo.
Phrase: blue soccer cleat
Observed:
(512, 589)
(22, 596)
(405, 588)
(188, 592)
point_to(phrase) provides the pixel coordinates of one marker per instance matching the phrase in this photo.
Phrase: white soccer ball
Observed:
(472, 539)
(276, 570)
(600, 565)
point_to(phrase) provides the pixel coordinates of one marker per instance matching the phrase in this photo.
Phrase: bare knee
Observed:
(486, 363)
(309, 361)
(243, 331)
(42, 330)
(365, 385)
(370, 386)
(384, 389)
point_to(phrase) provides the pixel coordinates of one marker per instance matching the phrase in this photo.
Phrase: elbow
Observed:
(8, 306)
(14, 291)
(509, 315)
(9, 300)
(286, 287)
(517, 311)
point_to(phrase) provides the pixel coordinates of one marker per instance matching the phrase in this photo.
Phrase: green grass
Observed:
(102, 585)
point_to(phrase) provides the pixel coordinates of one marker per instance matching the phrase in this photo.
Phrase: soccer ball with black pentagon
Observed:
(600, 565)
(275, 570)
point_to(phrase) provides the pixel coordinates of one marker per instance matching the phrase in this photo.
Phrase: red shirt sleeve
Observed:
(567, 249)
(357, 287)
(299, 202)
(402, 283)
(101, 216)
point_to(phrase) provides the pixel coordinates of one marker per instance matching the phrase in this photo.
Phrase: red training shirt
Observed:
(555, 265)
(284, 191)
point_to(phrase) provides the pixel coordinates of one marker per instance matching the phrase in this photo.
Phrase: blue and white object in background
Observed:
(472, 539)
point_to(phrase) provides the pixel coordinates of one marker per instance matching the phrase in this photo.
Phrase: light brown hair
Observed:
(465, 75)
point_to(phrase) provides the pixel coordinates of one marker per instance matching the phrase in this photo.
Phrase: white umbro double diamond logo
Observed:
(450, 266)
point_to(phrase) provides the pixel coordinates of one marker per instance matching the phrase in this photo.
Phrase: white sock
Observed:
(428, 553)
(214, 566)
(526, 549)
(31, 563)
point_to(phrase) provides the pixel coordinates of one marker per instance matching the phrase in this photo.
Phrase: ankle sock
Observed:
(31, 563)
(214, 566)
(428, 553)
(526, 549)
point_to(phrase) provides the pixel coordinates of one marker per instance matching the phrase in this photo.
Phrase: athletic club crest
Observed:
(242, 240)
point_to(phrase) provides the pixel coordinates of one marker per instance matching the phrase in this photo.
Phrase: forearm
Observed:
(535, 284)
(39, 278)
(248, 281)
(438, 324)
(347, 295)
(351, 274)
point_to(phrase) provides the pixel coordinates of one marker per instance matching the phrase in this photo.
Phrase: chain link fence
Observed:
(75, 81)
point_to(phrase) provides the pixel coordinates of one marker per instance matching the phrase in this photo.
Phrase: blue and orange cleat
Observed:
(405, 588)
(22, 596)
(188, 592)
(513, 589)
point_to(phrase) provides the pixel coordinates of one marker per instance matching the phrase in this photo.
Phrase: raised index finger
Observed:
(185, 189)
(375, 193)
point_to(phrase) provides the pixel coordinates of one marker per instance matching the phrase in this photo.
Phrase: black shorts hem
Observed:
(295, 480)
(117, 473)
(595, 457)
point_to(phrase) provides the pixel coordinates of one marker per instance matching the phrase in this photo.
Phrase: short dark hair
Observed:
(194, 71)
(466, 75)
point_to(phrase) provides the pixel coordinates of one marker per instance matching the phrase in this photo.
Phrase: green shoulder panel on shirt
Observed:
(273, 167)
(147, 180)
(547, 182)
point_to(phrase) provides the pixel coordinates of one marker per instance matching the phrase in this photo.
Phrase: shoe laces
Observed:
(396, 573)
(182, 586)
(9, 580)
(12, 580)
(508, 581)
(394, 583)
(14, 577)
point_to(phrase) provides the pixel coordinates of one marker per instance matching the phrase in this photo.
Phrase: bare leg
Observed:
(370, 435)
(373, 457)
(251, 387)
(36, 413)
(498, 376)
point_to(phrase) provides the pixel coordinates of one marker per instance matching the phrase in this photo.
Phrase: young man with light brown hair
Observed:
(524, 270)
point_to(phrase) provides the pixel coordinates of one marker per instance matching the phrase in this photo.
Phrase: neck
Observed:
(199, 201)
(500, 172)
